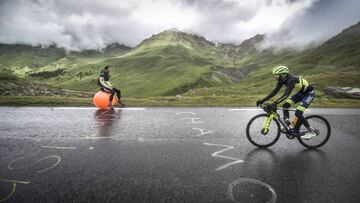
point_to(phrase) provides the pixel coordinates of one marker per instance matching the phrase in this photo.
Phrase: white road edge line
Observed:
(245, 109)
(258, 109)
(91, 108)
(55, 147)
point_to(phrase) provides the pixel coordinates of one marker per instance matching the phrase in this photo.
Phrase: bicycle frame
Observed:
(321, 127)
(266, 124)
(275, 115)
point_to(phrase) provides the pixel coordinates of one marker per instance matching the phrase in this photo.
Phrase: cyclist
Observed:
(305, 93)
(105, 85)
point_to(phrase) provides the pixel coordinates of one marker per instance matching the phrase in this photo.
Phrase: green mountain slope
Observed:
(342, 50)
(172, 63)
(334, 63)
(23, 58)
(169, 63)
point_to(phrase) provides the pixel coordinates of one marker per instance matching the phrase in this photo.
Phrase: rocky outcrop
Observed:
(231, 74)
(342, 92)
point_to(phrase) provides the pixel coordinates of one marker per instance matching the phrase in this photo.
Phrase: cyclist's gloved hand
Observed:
(259, 102)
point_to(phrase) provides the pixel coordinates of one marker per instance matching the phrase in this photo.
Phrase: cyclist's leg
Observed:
(304, 104)
(286, 106)
(289, 102)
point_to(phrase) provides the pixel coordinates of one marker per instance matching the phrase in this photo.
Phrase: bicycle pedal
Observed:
(290, 137)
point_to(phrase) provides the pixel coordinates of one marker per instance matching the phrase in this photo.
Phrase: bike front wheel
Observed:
(322, 129)
(257, 137)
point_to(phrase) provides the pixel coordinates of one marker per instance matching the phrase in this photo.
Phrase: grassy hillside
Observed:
(20, 59)
(174, 63)
(169, 63)
(343, 50)
(335, 63)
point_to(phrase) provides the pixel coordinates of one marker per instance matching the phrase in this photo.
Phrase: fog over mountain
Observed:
(89, 24)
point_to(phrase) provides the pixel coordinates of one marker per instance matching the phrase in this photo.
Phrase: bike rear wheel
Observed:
(256, 137)
(322, 129)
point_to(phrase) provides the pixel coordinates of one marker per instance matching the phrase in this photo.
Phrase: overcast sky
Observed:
(93, 24)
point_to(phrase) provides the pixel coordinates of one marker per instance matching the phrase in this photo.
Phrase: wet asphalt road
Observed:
(169, 155)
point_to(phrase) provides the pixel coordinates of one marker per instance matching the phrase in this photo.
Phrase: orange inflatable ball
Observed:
(101, 100)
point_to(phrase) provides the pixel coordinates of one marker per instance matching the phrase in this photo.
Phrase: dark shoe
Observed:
(121, 104)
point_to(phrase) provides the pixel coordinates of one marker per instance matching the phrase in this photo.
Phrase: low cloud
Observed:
(88, 24)
(315, 24)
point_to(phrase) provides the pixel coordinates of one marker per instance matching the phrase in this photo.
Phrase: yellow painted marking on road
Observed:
(38, 161)
(53, 166)
(13, 182)
(10, 194)
(11, 163)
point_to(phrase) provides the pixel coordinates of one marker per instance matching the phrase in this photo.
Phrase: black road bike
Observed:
(264, 130)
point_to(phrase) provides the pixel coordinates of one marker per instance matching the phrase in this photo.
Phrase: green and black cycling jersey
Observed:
(292, 83)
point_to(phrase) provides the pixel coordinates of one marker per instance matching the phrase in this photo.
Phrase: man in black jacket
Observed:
(105, 84)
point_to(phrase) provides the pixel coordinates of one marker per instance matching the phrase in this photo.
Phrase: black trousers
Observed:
(112, 92)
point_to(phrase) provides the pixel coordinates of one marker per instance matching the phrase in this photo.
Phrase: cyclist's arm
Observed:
(274, 92)
(287, 92)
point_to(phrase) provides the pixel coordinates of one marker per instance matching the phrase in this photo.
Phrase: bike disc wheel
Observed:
(254, 135)
(322, 129)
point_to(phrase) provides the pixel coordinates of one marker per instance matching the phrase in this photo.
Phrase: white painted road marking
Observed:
(245, 110)
(92, 108)
(258, 109)
(56, 147)
(185, 113)
(96, 137)
(193, 120)
(254, 181)
(202, 131)
(216, 154)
